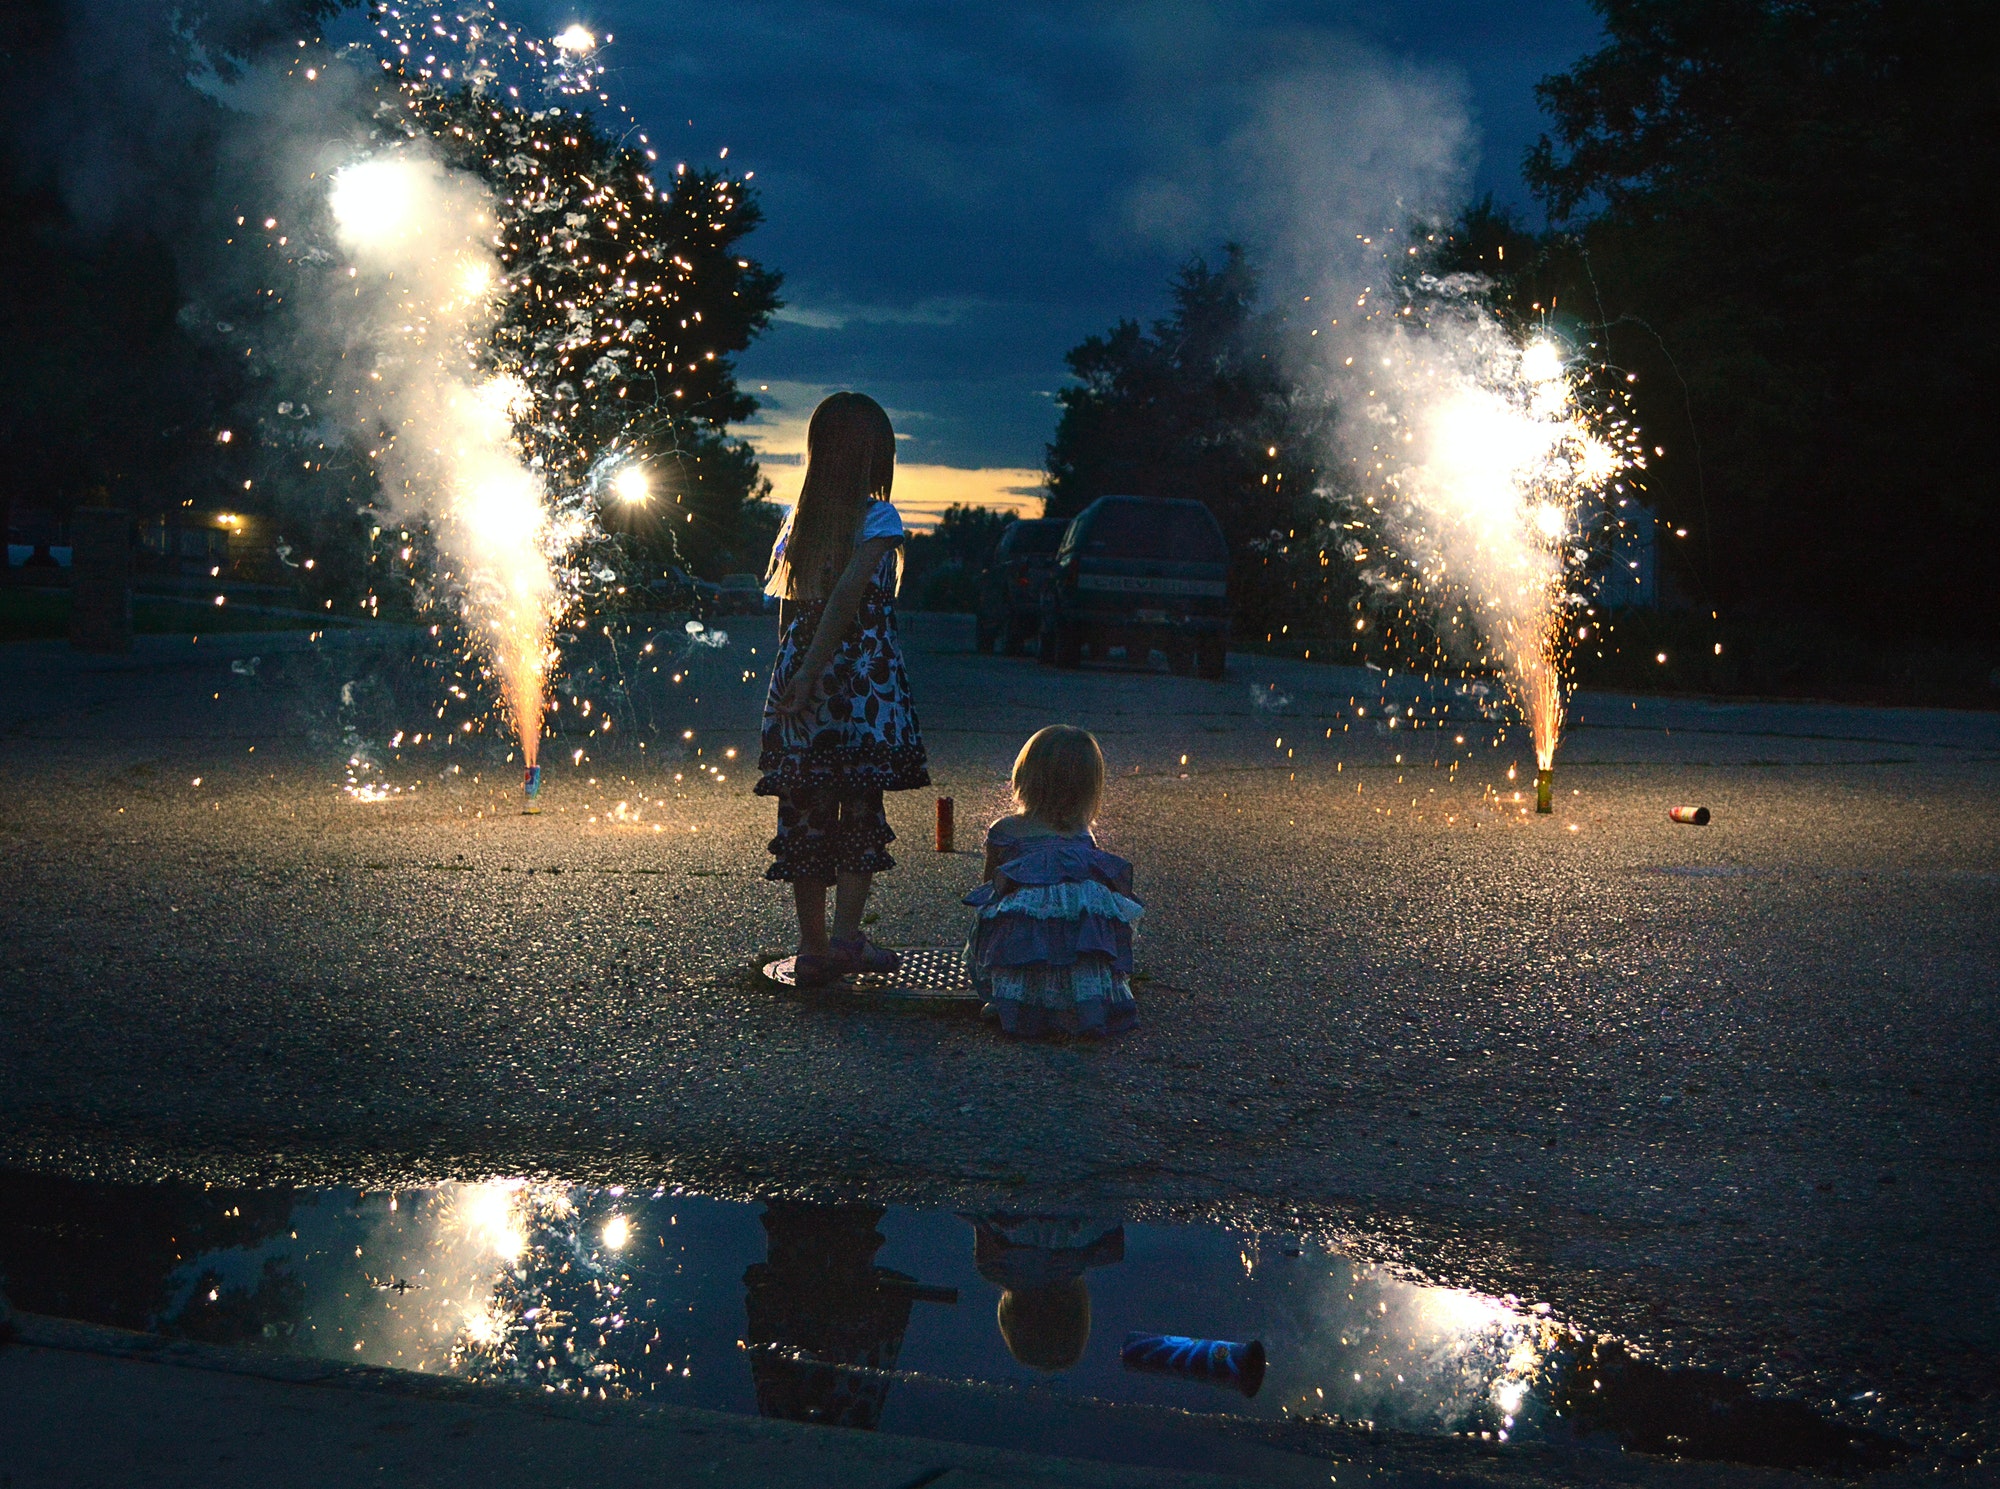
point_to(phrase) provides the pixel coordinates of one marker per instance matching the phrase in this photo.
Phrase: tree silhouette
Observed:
(625, 306)
(1782, 215)
(108, 391)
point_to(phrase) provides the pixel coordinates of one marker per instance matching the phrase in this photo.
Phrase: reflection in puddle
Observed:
(825, 1324)
(1038, 1263)
(995, 1328)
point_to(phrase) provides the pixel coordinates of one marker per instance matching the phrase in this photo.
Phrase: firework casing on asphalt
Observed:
(945, 824)
(531, 789)
(1690, 816)
(1221, 1360)
(1545, 785)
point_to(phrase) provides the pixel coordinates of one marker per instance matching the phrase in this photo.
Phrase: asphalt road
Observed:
(1729, 1091)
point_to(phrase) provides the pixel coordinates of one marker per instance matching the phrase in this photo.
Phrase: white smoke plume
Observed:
(349, 273)
(1297, 145)
(1469, 462)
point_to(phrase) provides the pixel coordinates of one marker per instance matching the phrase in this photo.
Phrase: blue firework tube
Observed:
(1223, 1361)
(531, 782)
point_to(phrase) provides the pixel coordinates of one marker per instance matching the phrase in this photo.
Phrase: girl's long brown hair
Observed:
(850, 460)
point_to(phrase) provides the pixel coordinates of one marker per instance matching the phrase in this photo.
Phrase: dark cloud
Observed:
(957, 194)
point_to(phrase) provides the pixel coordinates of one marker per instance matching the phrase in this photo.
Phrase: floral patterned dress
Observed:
(829, 765)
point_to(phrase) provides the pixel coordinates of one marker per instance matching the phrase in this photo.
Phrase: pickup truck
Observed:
(1143, 573)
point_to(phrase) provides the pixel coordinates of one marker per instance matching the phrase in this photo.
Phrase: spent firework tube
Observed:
(945, 824)
(1223, 1361)
(1692, 816)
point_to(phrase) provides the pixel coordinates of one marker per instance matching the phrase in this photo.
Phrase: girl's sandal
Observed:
(862, 955)
(816, 971)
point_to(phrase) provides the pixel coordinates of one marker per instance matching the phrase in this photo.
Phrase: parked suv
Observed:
(1010, 591)
(1139, 572)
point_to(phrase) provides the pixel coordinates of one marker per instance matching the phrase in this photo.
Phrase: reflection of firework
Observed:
(1367, 1347)
(492, 1215)
(1483, 467)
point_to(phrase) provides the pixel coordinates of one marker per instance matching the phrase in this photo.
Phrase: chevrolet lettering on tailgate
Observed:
(1127, 584)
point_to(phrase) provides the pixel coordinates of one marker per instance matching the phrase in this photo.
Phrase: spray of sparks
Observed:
(421, 235)
(1485, 463)
(509, 279)
(480, 49)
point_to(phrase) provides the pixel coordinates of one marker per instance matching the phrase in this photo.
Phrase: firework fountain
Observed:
(420, 237)
(1484, 464)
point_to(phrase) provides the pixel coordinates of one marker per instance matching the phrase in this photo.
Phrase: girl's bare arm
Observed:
(992, 861)
(842, 605)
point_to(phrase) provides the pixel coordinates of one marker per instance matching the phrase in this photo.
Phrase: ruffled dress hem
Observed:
(1089, 999)
(855, 767)
(1051, 947)
(825, 868)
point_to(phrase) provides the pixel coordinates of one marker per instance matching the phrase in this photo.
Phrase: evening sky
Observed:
(957, 194)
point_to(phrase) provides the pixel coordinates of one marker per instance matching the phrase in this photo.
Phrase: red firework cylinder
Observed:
(945, 824)
(1692, 816)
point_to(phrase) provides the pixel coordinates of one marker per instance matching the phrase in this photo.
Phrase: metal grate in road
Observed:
(929, 974)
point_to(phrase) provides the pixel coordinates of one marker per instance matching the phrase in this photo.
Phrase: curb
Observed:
(942, 1462)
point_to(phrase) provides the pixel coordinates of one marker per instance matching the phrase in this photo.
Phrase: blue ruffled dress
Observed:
(1051, 948)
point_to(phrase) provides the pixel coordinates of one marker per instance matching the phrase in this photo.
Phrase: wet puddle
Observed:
(1008, 1330)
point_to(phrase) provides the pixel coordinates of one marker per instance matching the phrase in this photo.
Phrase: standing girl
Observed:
(1052, 947)
(839, 729)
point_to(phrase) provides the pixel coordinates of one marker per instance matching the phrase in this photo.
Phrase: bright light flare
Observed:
(504, 399)
(476, 279)
(486, 1325)
(1455, 1313)
(617, 1231)
(632, 486)
(575, 40)
(1542, 362)
(378, 204)
(491, 1215)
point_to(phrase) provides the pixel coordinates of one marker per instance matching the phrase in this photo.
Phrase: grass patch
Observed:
(1787, 659)
(156, 616)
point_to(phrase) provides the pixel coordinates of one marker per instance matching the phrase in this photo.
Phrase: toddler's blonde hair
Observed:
(1046, 1328)
(1059, 777)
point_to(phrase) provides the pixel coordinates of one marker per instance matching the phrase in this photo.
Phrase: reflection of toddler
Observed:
(1038, 1261)
(1052, 947)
